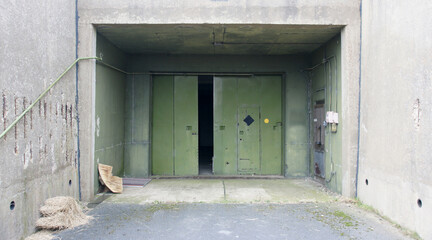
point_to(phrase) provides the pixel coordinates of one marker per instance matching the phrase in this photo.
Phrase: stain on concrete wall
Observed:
(396, 118)
(38, 157)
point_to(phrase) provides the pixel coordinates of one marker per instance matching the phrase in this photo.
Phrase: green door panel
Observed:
(185, 125)
(162, 124)
(271, 132)
(249, 140)
(225, 126)
(260, 149)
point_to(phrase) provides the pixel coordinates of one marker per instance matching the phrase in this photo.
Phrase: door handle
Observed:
(278, 124)
(188, 128)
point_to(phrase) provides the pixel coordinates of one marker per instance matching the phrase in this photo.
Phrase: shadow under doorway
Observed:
(205, 124)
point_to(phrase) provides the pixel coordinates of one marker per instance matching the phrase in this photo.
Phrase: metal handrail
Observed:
(43, 94)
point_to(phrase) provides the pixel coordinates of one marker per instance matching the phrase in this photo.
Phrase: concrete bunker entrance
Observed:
(136, 56)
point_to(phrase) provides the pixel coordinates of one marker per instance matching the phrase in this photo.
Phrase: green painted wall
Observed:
(109, 110)
(295, 125)
(137, 128)
(324, 77)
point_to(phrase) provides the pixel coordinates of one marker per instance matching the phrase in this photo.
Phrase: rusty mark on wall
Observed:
(31, 150)
(4, 114)
(71, 119)
(416, 114)
(45, 109)
(76, 154)
(31, 118)
(66, 113)
(16, 127)
(25, 117)
(66, 155)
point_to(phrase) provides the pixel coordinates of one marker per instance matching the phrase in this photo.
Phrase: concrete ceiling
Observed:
(254, 39)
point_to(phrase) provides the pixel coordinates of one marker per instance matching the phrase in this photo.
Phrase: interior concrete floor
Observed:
(206, 161)
(231, 209)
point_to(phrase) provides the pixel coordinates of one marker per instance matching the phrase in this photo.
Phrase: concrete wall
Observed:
(38, 157)
(337, 12)
(328, 77)
(109, 109)
(396, 112)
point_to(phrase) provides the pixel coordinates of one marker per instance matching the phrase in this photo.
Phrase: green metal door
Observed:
(186, 125)
(175, 125)
(225, 126)
(163, 126)
(271, 125)
(253, 149)
(248, 140)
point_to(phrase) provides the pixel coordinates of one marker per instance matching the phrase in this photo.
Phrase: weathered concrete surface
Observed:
(38, 157)
(396, 112)
(335, 12)
(233, 221)
(226, 191)
(201, 209)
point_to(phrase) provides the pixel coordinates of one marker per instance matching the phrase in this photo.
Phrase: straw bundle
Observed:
(61, 213)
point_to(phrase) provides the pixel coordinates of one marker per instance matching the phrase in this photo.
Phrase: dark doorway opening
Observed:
(205, 124)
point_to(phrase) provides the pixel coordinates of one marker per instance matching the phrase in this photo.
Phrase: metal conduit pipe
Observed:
(41, 96)
(185, 73)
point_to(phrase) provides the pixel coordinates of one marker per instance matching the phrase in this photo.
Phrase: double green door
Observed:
(247, 125)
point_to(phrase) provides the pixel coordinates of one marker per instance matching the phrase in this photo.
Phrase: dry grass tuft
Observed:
(60, 213)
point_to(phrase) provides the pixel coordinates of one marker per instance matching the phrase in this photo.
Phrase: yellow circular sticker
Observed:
(266, 120)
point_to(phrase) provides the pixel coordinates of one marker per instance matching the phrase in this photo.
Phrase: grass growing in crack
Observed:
(345, 219)
(158, 206)
(412, 234)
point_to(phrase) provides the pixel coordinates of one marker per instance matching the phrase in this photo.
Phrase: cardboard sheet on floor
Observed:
(113, 183)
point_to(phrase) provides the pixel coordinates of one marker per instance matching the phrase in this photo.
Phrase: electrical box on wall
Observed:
(332, 118)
